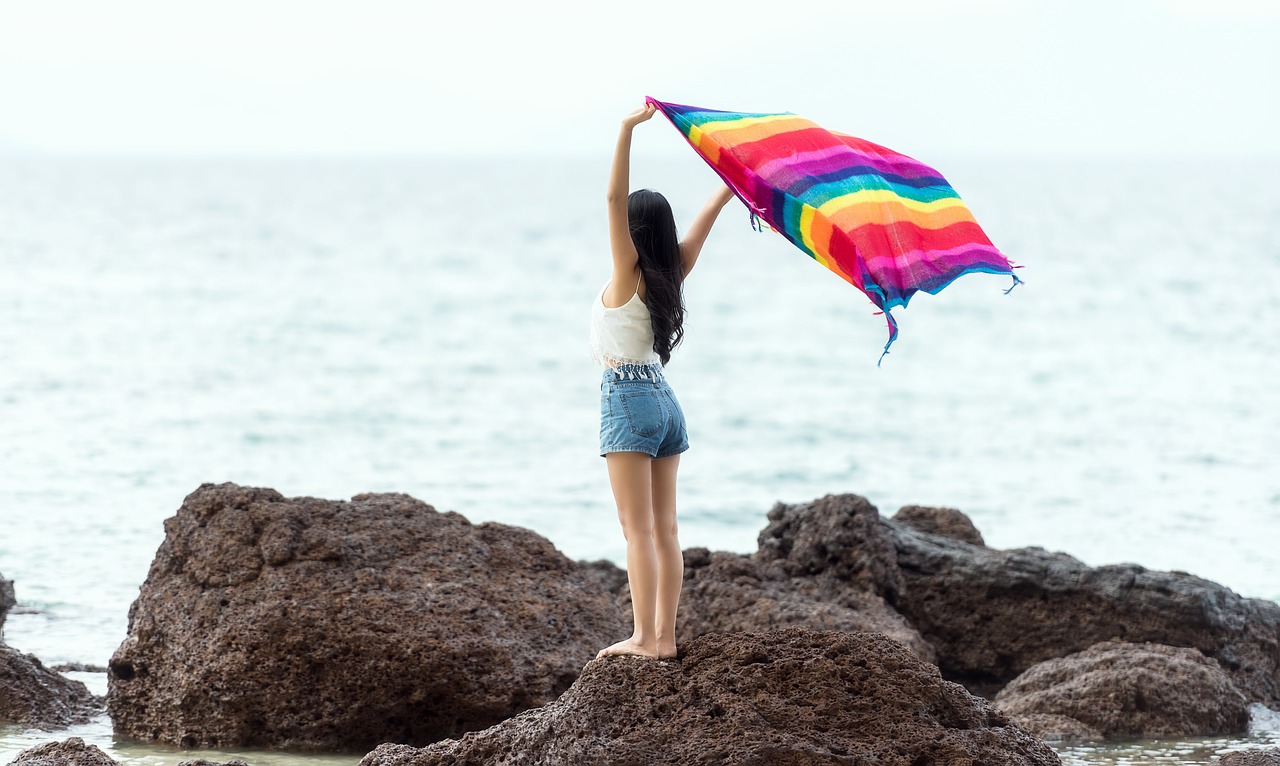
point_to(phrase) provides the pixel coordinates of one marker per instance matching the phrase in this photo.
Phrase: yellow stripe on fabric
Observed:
(806, 230)
(885, 213)
(882, 196)
(808, 218)
(754, 128)
(704, 144)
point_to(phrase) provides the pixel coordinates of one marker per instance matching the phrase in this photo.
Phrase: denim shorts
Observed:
(639, 413)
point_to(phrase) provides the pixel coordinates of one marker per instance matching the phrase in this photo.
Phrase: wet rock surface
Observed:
(784, 697)
(991, 614)
(1058, 728)
(315, 624)
(69, 752)
(79, 667)
(35, 696)
(734, 593)
(1127, 691)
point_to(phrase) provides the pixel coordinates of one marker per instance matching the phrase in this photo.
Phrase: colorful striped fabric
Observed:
(888, 224)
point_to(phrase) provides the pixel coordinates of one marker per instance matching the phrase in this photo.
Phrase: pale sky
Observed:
(1110, 77)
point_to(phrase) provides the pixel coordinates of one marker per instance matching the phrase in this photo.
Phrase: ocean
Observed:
(332, 327)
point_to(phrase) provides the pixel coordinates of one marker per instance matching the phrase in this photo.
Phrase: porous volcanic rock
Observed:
(838, 537)
(316, 624)
(1130, 691)
(733, 593)
(69, 752)
(992, 614)
(7, 600)
(948, 522)
(33, 695)
(607, 573)
(784, 697)
(1268, 757)
(1058, 728)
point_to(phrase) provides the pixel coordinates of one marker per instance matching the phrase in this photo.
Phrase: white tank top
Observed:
(622, 335)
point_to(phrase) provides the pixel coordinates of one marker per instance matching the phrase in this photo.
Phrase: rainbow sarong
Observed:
(888, 224)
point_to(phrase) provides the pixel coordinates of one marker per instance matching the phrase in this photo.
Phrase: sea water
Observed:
(328, 328)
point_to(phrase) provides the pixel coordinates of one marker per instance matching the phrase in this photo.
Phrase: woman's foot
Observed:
(666, 650)
(630, 646)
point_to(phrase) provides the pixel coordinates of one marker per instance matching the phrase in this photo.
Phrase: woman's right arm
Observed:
(625, 256)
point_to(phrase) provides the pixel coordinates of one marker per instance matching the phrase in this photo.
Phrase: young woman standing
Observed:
(636, 320)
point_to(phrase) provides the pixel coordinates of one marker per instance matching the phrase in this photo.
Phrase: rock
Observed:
(69, 752)
(733, 593)
(837, 536)
(611, 577)
(79, 667)
(314, 624)
(33, 695)
(790, 696)
(1268, 757)
(992, 614)
(1057, 728)
(1131, 691)
(7, 600)
(948, 522)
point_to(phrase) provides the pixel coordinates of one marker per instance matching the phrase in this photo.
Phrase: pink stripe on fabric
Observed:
(951, 252)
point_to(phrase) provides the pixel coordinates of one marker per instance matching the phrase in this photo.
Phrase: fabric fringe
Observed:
(1016, 281)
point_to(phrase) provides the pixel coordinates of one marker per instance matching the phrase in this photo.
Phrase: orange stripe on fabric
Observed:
(734, 132)
(704, 145)
(817, 234)
(884, 213)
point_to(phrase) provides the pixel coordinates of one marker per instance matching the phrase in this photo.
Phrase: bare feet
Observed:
(666, 649)
(630, 646)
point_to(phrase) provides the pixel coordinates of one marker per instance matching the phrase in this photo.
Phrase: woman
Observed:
(636, 320)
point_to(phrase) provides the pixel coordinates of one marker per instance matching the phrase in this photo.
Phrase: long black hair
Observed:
(653, 230)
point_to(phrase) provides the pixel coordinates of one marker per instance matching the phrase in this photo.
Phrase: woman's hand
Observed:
(639, 116)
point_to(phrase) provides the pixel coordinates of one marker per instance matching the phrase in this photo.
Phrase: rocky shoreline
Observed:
(30, 693)
(382, 626)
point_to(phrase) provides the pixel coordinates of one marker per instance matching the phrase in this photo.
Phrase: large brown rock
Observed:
(992, 614)
(837, 537)
(33, 695)
(69, 752)
(1129, 691)
(316, 624)
(733, 593)
(781, 698)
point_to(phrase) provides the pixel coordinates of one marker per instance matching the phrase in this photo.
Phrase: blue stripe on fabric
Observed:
(818, 193)
(715, 115)
(869, 171)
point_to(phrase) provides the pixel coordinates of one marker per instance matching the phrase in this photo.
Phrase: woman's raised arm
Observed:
(694, 239)
(624, 250)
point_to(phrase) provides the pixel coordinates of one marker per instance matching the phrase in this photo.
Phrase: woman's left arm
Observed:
(696, 237)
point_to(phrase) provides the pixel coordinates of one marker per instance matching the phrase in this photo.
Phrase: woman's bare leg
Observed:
(670, 559)
(630, 475)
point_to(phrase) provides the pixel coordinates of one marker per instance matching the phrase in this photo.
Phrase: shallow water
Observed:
(334, 328)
